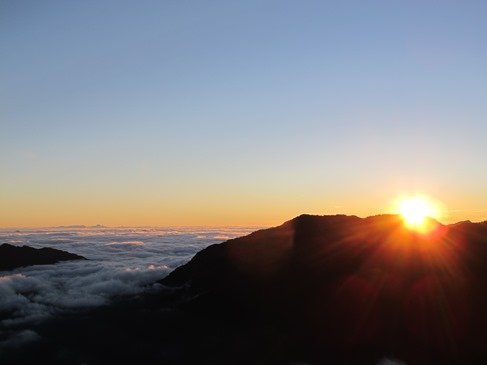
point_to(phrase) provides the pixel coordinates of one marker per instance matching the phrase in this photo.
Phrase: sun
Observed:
(415, 212)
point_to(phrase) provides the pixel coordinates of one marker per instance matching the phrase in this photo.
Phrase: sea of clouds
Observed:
(121, 261)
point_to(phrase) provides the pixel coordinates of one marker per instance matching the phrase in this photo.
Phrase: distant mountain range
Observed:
(12, 257)
(317, 289)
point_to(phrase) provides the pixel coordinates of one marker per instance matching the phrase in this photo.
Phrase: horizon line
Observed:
(90, 226)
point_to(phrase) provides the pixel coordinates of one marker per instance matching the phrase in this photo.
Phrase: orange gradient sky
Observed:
(217, 207)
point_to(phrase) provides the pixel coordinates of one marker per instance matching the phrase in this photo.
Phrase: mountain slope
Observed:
(316, 290)
(12, 257)
(348, 288)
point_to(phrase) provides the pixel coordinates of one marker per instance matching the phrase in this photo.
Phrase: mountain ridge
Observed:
(353, 286)
(316, 289)
(12, 257)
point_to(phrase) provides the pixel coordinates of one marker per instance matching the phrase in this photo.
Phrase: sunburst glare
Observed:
(416, 212)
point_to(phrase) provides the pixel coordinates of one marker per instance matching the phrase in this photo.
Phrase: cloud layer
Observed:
(121, 261)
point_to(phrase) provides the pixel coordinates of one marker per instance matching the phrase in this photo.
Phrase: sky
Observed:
(239, 112)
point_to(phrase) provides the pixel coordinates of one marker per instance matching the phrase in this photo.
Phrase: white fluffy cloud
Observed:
(122, 261)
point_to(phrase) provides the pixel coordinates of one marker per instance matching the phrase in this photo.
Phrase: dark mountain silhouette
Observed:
(317, 289)
(12, 257)
(352, 289)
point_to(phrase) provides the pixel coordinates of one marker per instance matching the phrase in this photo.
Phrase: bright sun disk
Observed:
(415, 212)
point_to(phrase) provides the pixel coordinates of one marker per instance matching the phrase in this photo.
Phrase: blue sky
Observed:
(239, 112)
